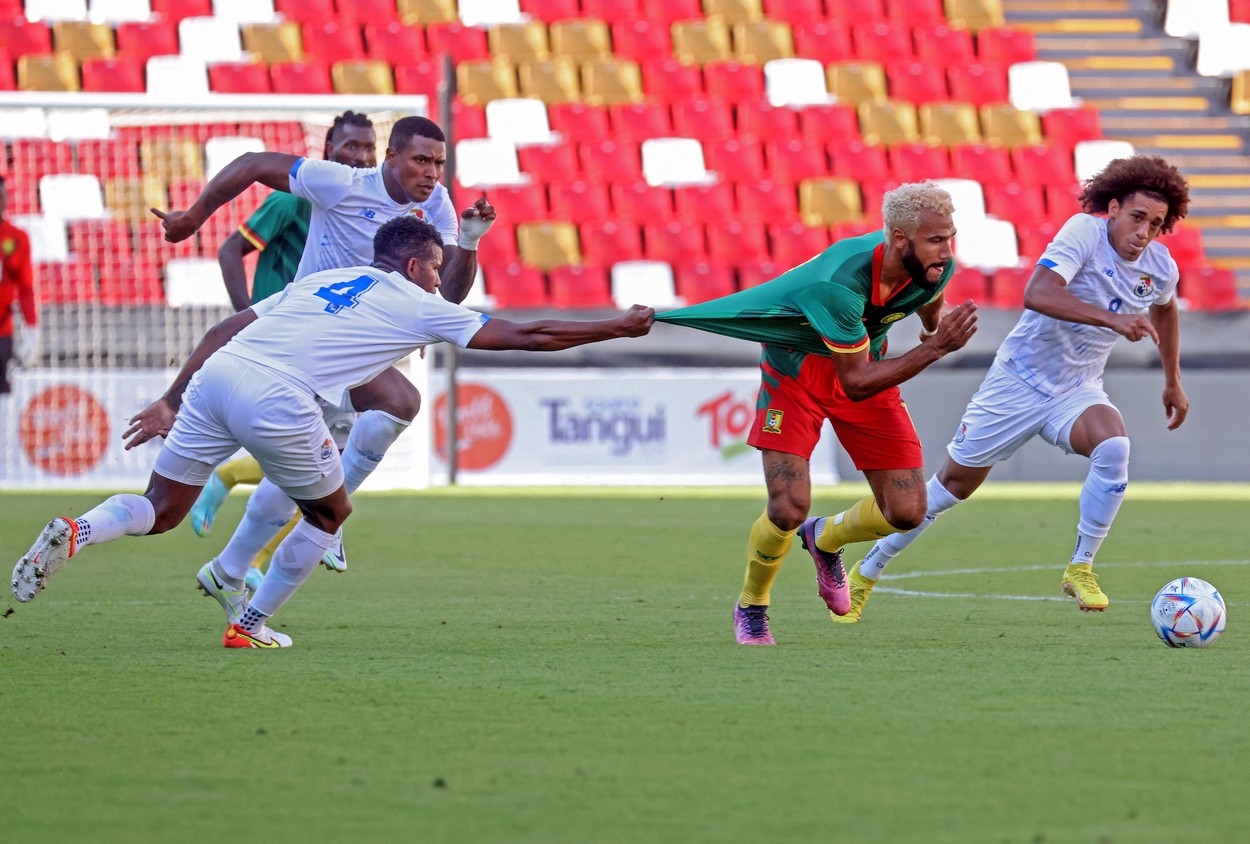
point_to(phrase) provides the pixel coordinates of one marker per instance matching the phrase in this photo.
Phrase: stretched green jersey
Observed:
(828, 305)
(278, 228)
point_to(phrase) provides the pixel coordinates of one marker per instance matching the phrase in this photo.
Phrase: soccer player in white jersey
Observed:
(257, 381)
(349, 204)
(1104, 276)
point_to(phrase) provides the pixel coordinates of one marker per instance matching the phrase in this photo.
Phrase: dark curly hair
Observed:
(403, 238)
(1147, 174)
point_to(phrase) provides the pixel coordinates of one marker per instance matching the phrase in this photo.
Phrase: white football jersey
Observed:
(1054, 356)
(349, 205)
(337, 329)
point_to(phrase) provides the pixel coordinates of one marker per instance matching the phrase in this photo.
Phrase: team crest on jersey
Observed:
(889, 318)
(9, 246)
(327, 448)
(772, 421)
(962, 433)
(418, 213)
(1145, 287)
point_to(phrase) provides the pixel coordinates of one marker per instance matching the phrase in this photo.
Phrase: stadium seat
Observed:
(915, 82)
(477, 83)
(915, 162)
(517, 286)
(856, 11)
(857, 82)
(611, 161)
(1210, 289)
(795, 160)
(642, 39)
(612, 11)
(606, 241)
(70, 196)
(950, 123)
(825, 202)
(427, 11)
(130, 197)
(483, 162)
(1090, 157)
(1005, 46)
(1022, 205)
(306, 11)
(892, 122)
(1222, 52)
(1012, 126)
(762, 41)
(940, 45)
(220, 151)
(988, 162)
(175, 10)
(280, 41)
(668, 11)
(1069, 126)
(703, 119)
(140, 40)
(239, 78)
(881, 42)
(638, 122)
(518, 42)
(608, 82)
(580, 287)
(705, 203)
(581, 39)
(702, 281)
(796, 82)
(393, 42)
(673, 161)
(1184, 243)
(23, 194)
(795, 11)
(518, 120)
(8, 82)
(64, 282)
(639, 202)
(245, 11)
(795, 242)
(107, 158)
(210, 39)
(98, 239)
(1193, 17)
(462, 43)
(974, 14)
(421, 77)
(732, 81)
(548, 243)
(1033, 239)
(21, 37)
(1007, 286)
(739, 159)
(306, 77)
(469, 120)
(580, 201)
(191, 282)
(735, 11)
(41, 156)
(176, 77)
(118, 75)
(755, 272)
(668, 80)
(52, 72)
(677, 243)
(652, 282)
(702, 40)
(1039, 85)
(986, 243)
(489, 13)
(550, 162)
(48, 238)
(83, 39)
(131, 282)
(967, 283)
(332, 41)
(828, 123)
(1062, 200)
(550, 11)
(758, 119)
(854, 159)
(766, 201)
(979, 83)
(827, 42)
(969, 199)
(578, 122)
(1042, 164)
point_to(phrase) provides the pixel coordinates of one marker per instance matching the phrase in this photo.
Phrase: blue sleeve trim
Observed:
(299, 162)
(483, 318)
(1047, 263)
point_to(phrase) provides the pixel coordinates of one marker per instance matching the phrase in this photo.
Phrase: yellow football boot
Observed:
(1081, 583)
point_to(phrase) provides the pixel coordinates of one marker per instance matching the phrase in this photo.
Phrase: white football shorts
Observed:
(1005, 413)
(230, 403)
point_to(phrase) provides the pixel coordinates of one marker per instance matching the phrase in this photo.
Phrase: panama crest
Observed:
(327, 448)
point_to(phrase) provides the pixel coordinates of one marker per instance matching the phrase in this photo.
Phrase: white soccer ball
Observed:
(1188, 613)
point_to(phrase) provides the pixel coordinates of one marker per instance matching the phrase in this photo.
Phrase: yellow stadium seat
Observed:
(555, 81)
(362, 77)
(274, 42)
(48, 72)
(857, 82)
(581, 39)
(701, 41)
(974, 14)
(131, 199)
(426, 11)
(826, 202)
(84, 40)
(735, 11)
(548, 244)
(890, 122)
(1241, 92)
(171, 159)
(757, 43)
(950, 123)
(1011, 126)
(481, 82)
(610, 82)
(519, 42)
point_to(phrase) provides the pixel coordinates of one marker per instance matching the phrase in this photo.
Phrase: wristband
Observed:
(924, 332)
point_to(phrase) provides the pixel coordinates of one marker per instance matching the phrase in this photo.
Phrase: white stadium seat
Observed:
(669, 162)
(1089, 157)
(487, 161)
(1225, 51)
(56, 10)
(71, 196)
(1191, 18)
(119, 11)
(72, 124)
(194, 281)
(644, 281)
(210, 39)
(520, 121)
(177, 77)
(48, 238)
(245, 11)
(220, 151)
(23, 122)
(1039, 86)
(796, 82)
(969, 199)
(986, 244)
(487, 12)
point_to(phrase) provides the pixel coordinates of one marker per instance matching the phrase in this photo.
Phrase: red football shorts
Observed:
(877, 432)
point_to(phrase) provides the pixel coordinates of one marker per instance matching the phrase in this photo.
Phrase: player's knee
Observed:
(1110, 457)
(788, 512)
(402, 403)
(903, 517)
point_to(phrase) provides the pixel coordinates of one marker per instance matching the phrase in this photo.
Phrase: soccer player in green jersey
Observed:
(823, 327)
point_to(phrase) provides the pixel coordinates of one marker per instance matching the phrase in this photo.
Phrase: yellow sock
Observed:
(244, 470)
(766, 548)
(861, 522)
(262, 558)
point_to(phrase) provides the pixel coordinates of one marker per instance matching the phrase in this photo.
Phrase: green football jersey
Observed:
(279, 229)
(824, 306)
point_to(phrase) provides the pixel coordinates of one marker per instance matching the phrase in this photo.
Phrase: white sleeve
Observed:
(1072, 246)
(267, 304)
(1168, 289)
(323, 183)
(449, 322)
(441, 214)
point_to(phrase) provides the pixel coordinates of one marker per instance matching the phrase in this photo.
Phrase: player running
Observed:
(823, 327)
(256, 381)
(1101, 278)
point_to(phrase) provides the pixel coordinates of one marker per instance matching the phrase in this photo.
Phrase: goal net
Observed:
(119, 307)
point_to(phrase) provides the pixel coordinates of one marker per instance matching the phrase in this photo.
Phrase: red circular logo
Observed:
(483, 427)
(64, 430)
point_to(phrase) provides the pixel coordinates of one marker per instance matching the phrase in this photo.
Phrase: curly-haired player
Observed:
(1102, 277)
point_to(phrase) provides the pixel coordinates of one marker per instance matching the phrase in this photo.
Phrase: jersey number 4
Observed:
(345, 294)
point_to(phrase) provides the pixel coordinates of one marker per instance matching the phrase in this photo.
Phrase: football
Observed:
(1188, 613)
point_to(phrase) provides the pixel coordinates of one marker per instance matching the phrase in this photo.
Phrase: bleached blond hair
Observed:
(901, 208)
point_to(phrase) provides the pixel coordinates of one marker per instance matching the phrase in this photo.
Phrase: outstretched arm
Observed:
(267, 168)
(1166, 320)
(552, 335)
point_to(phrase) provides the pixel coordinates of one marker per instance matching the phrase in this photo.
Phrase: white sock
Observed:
(1101, 496)
(268, 510)
(126, 514)
(294, 559)
(371, 436)
(886, 549)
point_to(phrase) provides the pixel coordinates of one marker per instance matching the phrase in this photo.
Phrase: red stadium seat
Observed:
(831, 122)
(916, 82)
(709, 204)
(40, 156)
(669, 11)
(978, 83)
(766, 201)
(67, 282)
(121, 75)
(795, 11)
(872, 194)
(521, 203)
(680, 244)
(761, 120)
(1210, 289)
(914, 13)
(8, 82)
(23, 192)
(735, 242)
(578, 122)
(423, 77)
(917, 162)
(469, 120)
(612, 11)
(1007, 286)
(551, 10)
(1032, 240)
(939, 45)
(608, 241)
(363, 11)
(1042, 164)
(97, 240)
(1068, 126)
(516, 286)
(855, 12)
(333, 41)
(1062, 201)
(988, 163)
(739, 159)
(639, 121)
(580, 286)
(550, 162)
(1185, 245)
(881, 42)
(704, 119)
(239, 78)
(668, 80)
(795, 242)
(502, 248)
(611, 161)
(853, 159)
(580, 201)
(638, 202)
(394, 42)
(173, 11)
(307, 11)
(462, 43)
(21, 37)
(733, 81)
(757, 271)
(1005, 46)
(1023, 205)
(827, 42)
(108, 158)
(642, 39)
(307, 77)
(967, 283)
(796, 160)
(131, 283)
(702, 281)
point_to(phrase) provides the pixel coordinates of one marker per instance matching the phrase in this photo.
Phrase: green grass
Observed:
(558, 665)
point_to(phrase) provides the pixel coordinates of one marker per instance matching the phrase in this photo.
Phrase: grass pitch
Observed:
(559, 665)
